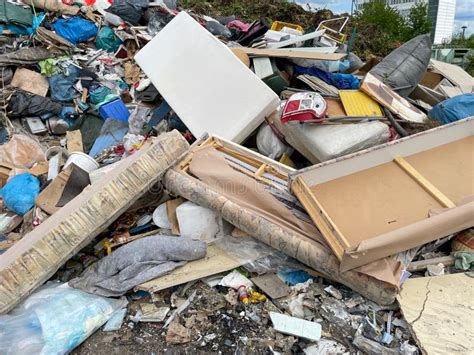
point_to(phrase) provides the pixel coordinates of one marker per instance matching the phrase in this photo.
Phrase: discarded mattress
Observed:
(319, 143)
(406, 65)
(207, 86)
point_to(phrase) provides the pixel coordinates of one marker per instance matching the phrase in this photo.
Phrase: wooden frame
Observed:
(356, 230)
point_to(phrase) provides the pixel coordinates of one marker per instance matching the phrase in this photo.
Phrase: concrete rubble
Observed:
(172, 182)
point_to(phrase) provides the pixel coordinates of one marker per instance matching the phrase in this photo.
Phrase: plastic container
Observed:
(84, 161)
(115, 109)
(278, 26)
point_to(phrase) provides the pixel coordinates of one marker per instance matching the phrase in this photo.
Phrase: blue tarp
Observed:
(340, 81)
(75, 29)
(453, 109)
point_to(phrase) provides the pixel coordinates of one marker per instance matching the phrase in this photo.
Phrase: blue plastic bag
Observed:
(75, 29)
(453, 109)
(62, 86)
(20, 192)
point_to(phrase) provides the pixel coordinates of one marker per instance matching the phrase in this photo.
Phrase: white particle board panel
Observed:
(204, 82)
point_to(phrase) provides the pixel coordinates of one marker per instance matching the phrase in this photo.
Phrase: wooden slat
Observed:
(281, 53)
(328, 229)
(420, 179)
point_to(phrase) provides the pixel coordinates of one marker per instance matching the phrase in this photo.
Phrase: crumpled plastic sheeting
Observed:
(269, 144)
(20, 192)
(62, 86)
(107, 40)
(137, 262)
(23, 104)
(129, 10)
(54, 320)
(75, 29)
(21, 151)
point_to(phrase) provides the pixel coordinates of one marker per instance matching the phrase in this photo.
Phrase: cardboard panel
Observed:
(208, 87)
(377, 202)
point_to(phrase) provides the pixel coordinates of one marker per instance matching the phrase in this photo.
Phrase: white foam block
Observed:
(296, 326)
(207, 86)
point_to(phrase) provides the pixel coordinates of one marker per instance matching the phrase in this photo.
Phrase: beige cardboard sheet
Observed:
(210, 166)
(449, 167)
(384, 198)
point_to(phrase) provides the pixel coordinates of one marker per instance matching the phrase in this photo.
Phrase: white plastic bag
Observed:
(54, 320)
(269, 144)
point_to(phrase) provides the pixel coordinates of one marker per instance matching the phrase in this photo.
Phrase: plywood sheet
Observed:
(448, 167)
(383, 209)
(215, 262)
(374, 201)
(384, 198)
(391, 100)
(439, 311)
(207, 86)
(455, 74)
(335, 108)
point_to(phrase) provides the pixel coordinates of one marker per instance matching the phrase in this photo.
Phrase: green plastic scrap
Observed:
(52, 66)
(464, 260)
(107, 40)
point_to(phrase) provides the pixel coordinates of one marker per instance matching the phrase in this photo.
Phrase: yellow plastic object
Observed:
(285, 159)
(278, 26)
(340, 37)
(357, 103)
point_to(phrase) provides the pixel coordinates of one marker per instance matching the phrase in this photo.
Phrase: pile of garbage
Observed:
(173, 181)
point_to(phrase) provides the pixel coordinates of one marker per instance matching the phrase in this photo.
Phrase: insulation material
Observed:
(207, 86)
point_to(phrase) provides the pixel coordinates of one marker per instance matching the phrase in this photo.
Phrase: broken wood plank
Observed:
(36, 257)
(423, 264)
(215, 262)
(281, 53)
(74, 141)
(439, 312)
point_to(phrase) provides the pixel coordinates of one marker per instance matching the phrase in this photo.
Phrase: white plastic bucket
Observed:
(84, 161)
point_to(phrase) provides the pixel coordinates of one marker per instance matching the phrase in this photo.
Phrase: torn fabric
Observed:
(137, 262)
